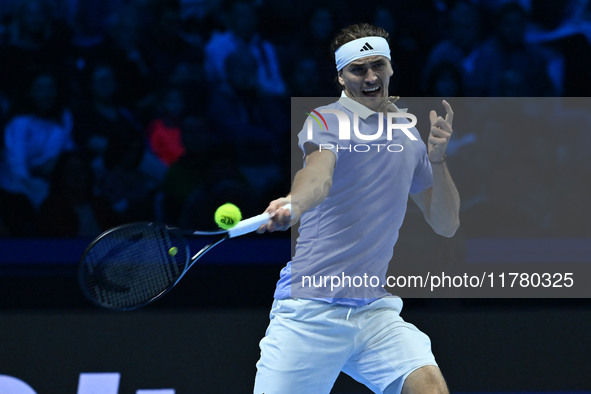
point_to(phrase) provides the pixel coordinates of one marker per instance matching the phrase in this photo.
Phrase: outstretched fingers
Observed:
(440, 133)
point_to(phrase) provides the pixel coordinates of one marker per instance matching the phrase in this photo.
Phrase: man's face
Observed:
(367, 79)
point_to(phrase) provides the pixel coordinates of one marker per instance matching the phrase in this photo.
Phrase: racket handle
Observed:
(251, 224)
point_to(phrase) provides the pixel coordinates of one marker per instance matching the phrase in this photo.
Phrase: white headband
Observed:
(361, 47)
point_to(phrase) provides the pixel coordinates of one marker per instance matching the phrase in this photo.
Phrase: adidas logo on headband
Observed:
(366, 47)
(350, 51)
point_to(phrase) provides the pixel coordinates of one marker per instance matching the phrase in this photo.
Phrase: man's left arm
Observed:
(440, 203)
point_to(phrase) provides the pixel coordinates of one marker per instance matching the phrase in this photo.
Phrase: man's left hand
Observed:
(441, 131)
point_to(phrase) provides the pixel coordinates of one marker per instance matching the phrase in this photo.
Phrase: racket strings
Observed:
(133, 264)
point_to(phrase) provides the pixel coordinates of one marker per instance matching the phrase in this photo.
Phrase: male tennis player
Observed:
(350, 202)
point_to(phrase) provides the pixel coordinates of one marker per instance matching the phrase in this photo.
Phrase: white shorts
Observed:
(308, 343)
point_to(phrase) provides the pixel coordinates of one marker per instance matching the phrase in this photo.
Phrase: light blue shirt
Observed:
(346, 242)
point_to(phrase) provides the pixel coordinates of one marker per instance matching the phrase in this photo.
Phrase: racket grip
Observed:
(251, 224)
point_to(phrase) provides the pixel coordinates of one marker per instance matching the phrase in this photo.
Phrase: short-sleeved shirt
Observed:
(346, 242)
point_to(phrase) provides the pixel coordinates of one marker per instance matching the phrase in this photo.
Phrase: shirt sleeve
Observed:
(423, 175)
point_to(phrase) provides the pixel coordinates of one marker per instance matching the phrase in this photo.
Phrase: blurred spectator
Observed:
(164, 132)
(256, 124)
(444, 80)
(168, 46)
(206, 176)
(564, 30)
(127, 184)
(187, 77)
(202, 11)
(71, 209)
(413, 29)
(382, 17)
(35, 37)
(457, 50)
(505, 65)
(199, 9)
(241, 21)
(199, 18)
(322, 23)
(35, 137)
(306, 79)
(240, 109)
(88, 19)
(124, 48)
(101, 118)
(311, 70)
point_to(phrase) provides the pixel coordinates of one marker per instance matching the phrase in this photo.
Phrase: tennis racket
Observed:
(130, 266)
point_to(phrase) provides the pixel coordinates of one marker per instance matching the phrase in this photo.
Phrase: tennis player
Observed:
(351, 202)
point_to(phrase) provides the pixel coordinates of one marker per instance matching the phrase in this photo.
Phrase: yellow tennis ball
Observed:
(227, 216)
(173, 251)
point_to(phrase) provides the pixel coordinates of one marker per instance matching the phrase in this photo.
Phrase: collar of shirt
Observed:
(362, 110)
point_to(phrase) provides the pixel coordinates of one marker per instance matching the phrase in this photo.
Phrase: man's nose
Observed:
(371, 76)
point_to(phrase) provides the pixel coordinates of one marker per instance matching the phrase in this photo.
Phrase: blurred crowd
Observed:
(123, 110)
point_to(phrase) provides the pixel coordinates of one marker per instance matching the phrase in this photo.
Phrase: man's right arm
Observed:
(310, 187)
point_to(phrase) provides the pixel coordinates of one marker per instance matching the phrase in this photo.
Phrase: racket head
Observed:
(132, 265)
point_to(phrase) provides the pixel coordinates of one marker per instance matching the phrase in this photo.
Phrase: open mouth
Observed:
(372, 92)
